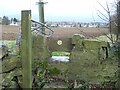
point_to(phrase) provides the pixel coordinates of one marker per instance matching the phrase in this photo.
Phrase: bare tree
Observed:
(108, 18)
(117, 85)
(5, 20)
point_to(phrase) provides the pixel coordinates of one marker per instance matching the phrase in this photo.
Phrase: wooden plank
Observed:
(26, 49)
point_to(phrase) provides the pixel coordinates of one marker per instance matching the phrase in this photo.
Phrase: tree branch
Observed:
(102, 18)
(102, 6)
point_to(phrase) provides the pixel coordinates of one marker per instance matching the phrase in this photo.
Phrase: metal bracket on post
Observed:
(26, 48)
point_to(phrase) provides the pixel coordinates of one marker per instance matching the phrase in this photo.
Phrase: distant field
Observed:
(69, 32)
(11, 32)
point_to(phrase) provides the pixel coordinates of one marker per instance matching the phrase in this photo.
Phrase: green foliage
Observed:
(40, 83)
(45, 70)
(15, 20)
(114, 49)
(43, 65)
(54, 71)
(76, 85)
(105, 38)
(41, 80)
(110, 83)
(9, 43)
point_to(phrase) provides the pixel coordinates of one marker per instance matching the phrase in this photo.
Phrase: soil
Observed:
(11, 32)
(69, 32)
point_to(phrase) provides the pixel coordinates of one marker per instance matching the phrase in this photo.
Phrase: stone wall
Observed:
(88, 60)
(66, 44)
(40, 49)
(11, 72)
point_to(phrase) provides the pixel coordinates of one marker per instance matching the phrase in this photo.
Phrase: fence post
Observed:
(26, 48)
(118, 18)
(41, 15)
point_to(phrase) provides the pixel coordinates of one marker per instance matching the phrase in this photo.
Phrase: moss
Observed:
(7, 77)
(91, 44)
(85, 62)
(86, 65)
(11, 63)
(40, 50)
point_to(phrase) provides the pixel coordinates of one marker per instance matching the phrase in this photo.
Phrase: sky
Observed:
(56, 10)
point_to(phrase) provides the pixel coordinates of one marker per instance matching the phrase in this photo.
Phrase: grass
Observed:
(105, 38)
(58, 53)
(9, 43)
(86, 67)
(84, 64)
(9, 29)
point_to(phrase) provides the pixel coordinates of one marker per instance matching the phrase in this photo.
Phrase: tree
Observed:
(15, 20)
(5, 20)
(118, 42)
(118, 19)
(110, 18)
(114, 24)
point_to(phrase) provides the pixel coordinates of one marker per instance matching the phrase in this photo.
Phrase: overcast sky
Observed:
(55, 10)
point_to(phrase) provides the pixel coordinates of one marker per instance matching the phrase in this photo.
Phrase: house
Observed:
(14, 22)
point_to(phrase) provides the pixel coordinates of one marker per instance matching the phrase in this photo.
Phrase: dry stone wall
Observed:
(89, 60)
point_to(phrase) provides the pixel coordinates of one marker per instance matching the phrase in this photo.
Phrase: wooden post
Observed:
(41, 19)
(26, 48)
(41, 14)
(118, 18)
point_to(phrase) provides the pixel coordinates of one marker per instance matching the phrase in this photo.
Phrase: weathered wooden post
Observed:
(26, 48)
(118, 18)
(41, 14)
